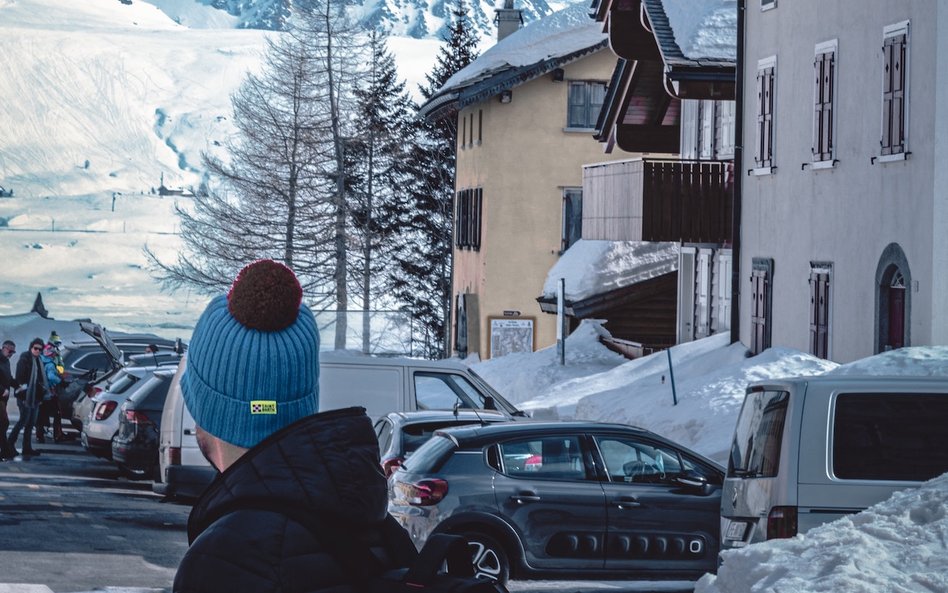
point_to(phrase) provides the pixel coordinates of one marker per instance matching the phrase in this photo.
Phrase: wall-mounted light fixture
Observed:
(506, 96)
(558, 75)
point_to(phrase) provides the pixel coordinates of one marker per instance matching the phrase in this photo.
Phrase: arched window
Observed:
(893, 300)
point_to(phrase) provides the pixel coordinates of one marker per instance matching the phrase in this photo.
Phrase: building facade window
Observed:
(824, 99)
(467, 230)
(761, 304)
(725, 142)
(706, 125)
(584, 103)
(768, 4)
(895, 62)
(820, 293)
(893, 300)
(572, 217)
(766, 87)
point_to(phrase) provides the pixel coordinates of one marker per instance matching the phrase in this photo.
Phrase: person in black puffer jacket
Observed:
(251, 383)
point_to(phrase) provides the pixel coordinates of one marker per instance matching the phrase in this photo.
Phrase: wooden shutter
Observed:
(819, 313)
(760, 307)
(893, 95)
(824, 68)
(765, 105)
(478, 198)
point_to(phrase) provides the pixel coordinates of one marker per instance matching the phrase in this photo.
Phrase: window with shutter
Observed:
(706, 127)
(820, 309)
(824, 68)
(894, 90)
(584, 103)
(761, 303)
(467, 227)
(764, 151)
(572, 217)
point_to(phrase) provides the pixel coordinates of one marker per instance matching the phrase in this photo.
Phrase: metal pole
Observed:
(561, 320)
(671, 375)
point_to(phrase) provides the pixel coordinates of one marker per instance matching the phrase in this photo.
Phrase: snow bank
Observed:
(711, 377)
(917, 361)
(595, 267)
(704, 28)
(898, 546)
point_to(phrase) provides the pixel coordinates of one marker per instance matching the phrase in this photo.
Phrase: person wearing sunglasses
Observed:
(31, 381)
(6, 382)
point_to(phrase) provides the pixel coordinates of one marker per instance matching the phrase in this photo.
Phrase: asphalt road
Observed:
(70, 523)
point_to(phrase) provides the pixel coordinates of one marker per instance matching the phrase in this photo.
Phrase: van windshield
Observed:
(755, 452)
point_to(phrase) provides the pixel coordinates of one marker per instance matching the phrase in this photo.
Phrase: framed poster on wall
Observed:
(509, 335)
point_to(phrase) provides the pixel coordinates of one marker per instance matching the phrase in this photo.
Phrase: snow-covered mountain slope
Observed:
(101, 96)
(418, 19)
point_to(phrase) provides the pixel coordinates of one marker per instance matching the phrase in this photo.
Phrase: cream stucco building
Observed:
(525, 112)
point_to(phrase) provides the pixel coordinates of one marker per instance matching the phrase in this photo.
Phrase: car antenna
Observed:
(457, 405)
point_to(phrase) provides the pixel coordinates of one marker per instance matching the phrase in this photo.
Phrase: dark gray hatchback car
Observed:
(565, 500)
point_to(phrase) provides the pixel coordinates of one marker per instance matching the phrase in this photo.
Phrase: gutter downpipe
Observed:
(738, 179)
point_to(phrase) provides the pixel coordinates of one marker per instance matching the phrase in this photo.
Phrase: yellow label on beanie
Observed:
(263, 406)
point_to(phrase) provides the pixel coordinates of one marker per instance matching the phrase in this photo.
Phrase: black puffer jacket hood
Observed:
(326, 464)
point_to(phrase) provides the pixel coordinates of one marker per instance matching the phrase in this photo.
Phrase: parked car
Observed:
(103, 353)
(135, 444)
(810, 450)
(101, 421)
(564, 500)
(86, 400)
(381, 385)
(401, 433)
(118, 380)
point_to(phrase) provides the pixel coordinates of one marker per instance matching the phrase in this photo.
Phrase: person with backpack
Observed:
(251, 381)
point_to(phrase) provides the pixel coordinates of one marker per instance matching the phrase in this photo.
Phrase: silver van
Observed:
(809, 450)
(380, 385)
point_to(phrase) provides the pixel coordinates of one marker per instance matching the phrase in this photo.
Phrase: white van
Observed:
(380, 385)
(807, 451)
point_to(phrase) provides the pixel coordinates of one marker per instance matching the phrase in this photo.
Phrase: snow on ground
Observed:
(710, 377)
(897, 546)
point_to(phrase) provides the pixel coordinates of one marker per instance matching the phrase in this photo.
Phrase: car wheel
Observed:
(488, 556)
(136, 474)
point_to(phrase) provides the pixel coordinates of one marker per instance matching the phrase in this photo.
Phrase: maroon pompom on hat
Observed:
(265, 296)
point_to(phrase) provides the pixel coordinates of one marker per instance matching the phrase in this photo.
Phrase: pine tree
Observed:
(424, 269)
(377, 199)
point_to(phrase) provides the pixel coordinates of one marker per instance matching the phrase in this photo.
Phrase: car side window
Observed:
(383, 432)
(557, 457)
(639, 462)
(94, 360)
(434, 392)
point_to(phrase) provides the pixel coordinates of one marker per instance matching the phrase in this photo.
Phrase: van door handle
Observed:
(628, 502)
(525, 497)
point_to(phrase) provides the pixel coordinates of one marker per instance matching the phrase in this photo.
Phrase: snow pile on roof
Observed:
(917, 361)
(704, 29)
(900, 544)
(711, 376)
(596, 267)
(556, 35)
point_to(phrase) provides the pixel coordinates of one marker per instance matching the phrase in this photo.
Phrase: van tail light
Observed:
(390, 464)
(136, 417)
(782, 522)
(424, 493)
(173, 456)
(105, 409)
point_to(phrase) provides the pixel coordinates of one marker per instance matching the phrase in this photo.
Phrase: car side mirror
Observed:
(693, 481)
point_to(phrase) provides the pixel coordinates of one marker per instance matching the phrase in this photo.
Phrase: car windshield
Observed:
(755, 451)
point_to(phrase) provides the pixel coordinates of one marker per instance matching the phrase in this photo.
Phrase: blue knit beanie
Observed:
(253, 360)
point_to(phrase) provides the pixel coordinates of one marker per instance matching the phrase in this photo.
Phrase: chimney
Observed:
(508, 19)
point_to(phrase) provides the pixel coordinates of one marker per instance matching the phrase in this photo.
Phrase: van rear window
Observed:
(890, 436)
(755, 452)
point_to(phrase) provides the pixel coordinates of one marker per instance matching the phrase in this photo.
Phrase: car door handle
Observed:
(628, 503)
(525, 497)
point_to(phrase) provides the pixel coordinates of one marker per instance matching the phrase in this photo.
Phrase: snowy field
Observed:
(100, 101)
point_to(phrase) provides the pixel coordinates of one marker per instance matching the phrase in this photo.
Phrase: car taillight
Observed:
(782, 522)
(391, 464)
(136, 417)
(425, 492)
(105, 409)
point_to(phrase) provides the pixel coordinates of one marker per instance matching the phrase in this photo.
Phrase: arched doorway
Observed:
(893, 300)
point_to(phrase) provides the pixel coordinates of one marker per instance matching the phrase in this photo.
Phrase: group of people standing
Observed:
(35, 384)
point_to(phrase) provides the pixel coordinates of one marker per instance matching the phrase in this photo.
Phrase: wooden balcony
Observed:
(658, 200)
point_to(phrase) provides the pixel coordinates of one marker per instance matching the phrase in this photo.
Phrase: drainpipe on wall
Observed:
(738, 178)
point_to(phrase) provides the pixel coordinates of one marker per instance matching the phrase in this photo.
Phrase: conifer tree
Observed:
(424, 268)
(377, 198)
